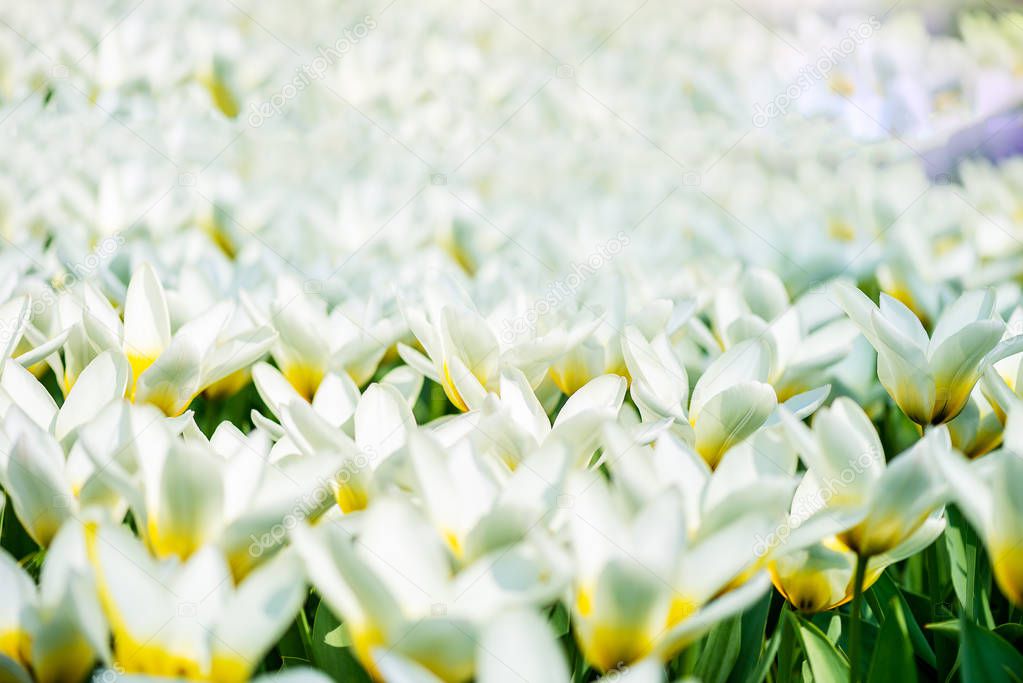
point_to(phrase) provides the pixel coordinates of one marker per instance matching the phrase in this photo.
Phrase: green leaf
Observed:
(950, 626)
(986, 657)
(559, 620)
(337, 662)
(880, 598)
(836, 625)
(898, 431)
(759, 674)
(893, 656)
(339, 637)
(292, 647)
(1013, 633)
(971, 570)
(13, 537)
(826, 662)
(720, 652)
(754, 622)
(786, 630)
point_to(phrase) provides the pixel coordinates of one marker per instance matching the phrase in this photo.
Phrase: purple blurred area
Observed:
(997, 137)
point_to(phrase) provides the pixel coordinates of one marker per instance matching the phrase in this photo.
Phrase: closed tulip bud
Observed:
(930, 377)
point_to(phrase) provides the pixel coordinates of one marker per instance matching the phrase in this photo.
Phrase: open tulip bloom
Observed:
(167, 370)
(444, 343)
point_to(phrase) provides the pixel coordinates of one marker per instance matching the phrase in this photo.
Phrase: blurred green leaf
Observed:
(1013, 633)
(949, 626)
(337, 662)
(559, 619)
(881, 597)
(754, 622)
(339, 637)
(292, 647)
(11, 671)
(763, 666)
(720, 652)
(893, 656)
(986, 657)
(971, 571)
(13, 537)
(786, 630)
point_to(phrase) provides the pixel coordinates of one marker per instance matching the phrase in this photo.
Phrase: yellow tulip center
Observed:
(17, 645)
(304, 378)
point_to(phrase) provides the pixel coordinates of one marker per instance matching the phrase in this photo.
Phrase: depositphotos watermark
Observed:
(309, 507)
(312, 71)
(814, 72)
(560, 290)
(806, 509)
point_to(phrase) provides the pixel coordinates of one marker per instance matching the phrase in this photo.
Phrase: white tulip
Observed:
(930, 377)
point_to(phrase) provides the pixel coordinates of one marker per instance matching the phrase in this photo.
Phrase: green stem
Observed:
(786, 649)
(933, 575)
(854, 620)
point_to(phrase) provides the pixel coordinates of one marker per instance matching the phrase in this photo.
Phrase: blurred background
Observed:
(811, 137)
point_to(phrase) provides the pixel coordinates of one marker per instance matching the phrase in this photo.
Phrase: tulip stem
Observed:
(854, 619)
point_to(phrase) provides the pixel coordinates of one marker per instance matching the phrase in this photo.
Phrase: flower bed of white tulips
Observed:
(511, 342)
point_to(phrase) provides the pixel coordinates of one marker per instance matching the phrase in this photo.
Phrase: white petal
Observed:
(518, 398)
(39, 492)
(260, 611)
(968, 308)
(745, 362)
(603, 395)
(896, 312)
(398, 669)
(720, 609)
(189, 509)
(146, 320)
(105, 379)
(382, 421)
(13, 318)
(519, 646)
(29, 395)
(173, 380)
(273, 388)
(731, 416)
(337, 398)
(407, 380)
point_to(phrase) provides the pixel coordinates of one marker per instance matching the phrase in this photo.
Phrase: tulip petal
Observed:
(146, 319)
(104, 380)
(748, 361)
(956, 365)
(519, 646)
(731, 416)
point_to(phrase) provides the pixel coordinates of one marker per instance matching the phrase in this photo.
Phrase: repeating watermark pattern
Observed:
(815, 72)
(559, 291)
(618, 673)
(111, 674)
(806, 508)
(310, 72)
(97, 258)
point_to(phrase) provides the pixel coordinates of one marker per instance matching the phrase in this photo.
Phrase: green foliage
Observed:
(331, 652)
(827, 663)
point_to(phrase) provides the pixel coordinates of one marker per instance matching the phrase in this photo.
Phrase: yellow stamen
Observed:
(304, 378)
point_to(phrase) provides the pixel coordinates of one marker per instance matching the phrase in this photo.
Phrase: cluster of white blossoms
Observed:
(510, 341)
